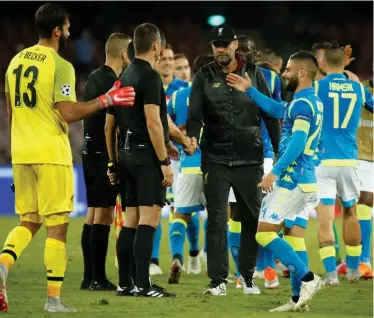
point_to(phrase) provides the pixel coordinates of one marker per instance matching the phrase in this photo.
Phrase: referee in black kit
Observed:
(232, 155)
(101, 195)
(143, 164)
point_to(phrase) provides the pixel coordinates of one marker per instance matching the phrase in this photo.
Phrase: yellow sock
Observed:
(235, 226)
(15, 243)
(55, 263)
(363, 212)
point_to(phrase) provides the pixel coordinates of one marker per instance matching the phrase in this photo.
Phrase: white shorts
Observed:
(300, 219)
(175, 165)
(190, 193)
(268, 165)
(341, 181)
(284, 204)
(366, 175)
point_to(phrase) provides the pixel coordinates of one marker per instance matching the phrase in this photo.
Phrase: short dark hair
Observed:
(310, 60)
(246, 38)
(266, 65)
(144, 36)
(48, 17)
(320, 46)
(116, 43)
(202, 60)
(178, 56)
(267, 55)
(163, 38)
(131, 51)
(335, 55)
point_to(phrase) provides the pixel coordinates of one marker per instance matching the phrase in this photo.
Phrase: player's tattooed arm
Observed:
(326, 243)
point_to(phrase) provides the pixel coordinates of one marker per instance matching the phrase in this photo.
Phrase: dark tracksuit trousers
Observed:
(217, 182)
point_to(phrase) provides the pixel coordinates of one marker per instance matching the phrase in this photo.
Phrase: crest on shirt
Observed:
(220, 30)
(66, 90)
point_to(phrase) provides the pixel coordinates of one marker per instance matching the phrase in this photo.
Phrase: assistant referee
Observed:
(100, 193)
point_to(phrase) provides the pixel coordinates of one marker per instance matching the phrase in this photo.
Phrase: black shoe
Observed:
(126, 291)
(103, 286)
(85, 285)
(154, 291)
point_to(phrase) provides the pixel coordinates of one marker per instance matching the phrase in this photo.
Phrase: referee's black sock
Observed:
(125, 247)
(143, 251)
(99, 248)
(86, 250)
(133, 270)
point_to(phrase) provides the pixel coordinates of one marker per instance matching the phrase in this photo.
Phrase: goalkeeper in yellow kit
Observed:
(40, 95)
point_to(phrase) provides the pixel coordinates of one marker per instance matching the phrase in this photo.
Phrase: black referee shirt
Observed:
(98, 82)
(148, 90)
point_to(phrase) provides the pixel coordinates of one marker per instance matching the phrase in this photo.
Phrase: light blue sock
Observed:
(295, 283)
(177, 237)
(205, 230)
(234, 246)
(157, 243)
(288, 257)
(268, 259)
(260, 264)
(366, 229)
(193, 229)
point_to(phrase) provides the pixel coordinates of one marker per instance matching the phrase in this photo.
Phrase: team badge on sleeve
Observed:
(66, 90)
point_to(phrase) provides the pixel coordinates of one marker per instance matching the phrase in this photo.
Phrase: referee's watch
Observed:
(165, 162)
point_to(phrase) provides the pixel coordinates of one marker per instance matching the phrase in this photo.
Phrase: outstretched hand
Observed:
(241, 84)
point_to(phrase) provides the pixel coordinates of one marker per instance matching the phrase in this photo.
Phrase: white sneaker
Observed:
(193, 265)
(155, 270)
(54, 304)
(332, 281)
(353, 276)
(249, 286)
(290, 306)
(3, 294)
(308, 290)
(216, 290)
(259, 274)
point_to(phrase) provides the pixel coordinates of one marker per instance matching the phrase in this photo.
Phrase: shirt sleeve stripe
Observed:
(301, 125)
(363, 93)
(272, 81)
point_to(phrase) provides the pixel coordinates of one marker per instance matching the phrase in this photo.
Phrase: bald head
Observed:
(116, 44)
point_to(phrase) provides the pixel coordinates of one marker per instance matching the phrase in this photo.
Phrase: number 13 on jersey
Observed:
(27, 98)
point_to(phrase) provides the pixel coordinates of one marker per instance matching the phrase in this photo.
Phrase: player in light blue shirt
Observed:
(337, 174)
(293, 173)
(189, 196)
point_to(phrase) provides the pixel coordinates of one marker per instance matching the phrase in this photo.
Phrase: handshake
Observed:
(118, 96)
(190, 145)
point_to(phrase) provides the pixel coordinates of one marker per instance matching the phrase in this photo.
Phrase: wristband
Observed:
(165, 162)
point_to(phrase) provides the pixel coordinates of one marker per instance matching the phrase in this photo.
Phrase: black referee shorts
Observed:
(99, 192)
(142, 174)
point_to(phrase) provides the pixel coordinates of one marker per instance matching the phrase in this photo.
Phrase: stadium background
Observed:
(282, 26)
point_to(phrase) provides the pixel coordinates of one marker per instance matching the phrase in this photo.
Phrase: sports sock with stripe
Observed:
(193, 230)
(156, 245)
(177, 237)
(364, 218)
(15, 243)
(235, 229)
(55, 263)
(86, 250)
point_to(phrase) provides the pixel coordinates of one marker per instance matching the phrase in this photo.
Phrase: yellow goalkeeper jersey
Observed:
(36, 79)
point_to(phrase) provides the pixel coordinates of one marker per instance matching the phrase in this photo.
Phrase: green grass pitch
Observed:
(27, 287)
